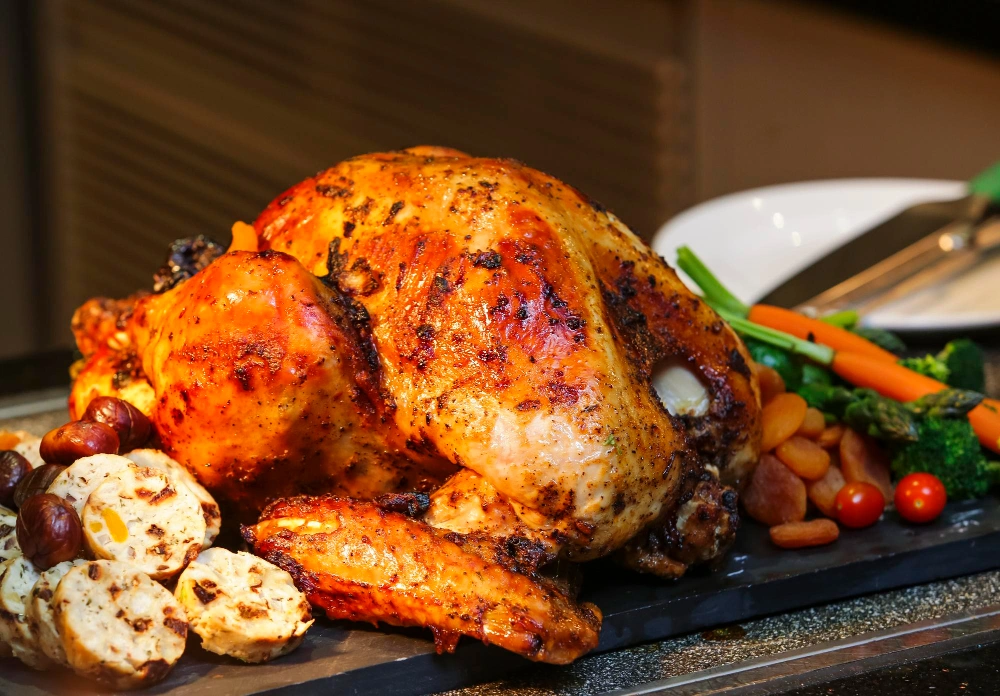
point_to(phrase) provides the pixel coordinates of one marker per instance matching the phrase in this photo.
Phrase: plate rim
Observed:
(950, 189)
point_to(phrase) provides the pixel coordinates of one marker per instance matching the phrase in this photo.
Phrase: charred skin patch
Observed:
(393, 211)
(332, 191)
(410, 504)
(489, 260)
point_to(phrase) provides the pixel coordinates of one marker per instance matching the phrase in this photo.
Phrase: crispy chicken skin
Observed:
(267, 385)
(471, 328)
(356, 561)
(519, 326)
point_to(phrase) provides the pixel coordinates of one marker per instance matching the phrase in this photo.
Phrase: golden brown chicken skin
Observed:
(519, 326)
(357, 561)
(514, 330)
(468, 327)
(267, 384)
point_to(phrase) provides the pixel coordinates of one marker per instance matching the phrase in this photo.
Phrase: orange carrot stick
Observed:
(244, 237)
(902, 384)
(985, 419)
(816, 331)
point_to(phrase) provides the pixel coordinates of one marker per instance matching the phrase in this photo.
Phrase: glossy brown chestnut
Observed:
(78, 439)
(13, 468)
(49, 531)
(130, 423)
(36, 482)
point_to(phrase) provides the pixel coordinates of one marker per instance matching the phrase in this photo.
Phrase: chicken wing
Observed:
(357, 561)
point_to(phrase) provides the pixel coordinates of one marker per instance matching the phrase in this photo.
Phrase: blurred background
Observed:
(128, 123)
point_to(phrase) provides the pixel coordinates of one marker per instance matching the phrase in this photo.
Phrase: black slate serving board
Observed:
(756, 579)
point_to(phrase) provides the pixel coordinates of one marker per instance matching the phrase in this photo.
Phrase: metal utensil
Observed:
(937, 257)
(917, 239)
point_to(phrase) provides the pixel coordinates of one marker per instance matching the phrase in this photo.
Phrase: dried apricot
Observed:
(830, 437)
(797, 535)
(823, 492)
(861, 459)
(813, 424)
(781, 417)
(775, 494)
(771, 383)
(804, 457)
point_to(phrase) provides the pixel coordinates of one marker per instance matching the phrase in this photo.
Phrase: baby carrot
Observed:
(817, 331)
(888, 379)
(902, 384)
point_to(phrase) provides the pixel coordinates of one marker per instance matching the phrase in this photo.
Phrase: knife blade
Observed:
(845, 265)
(934, 259)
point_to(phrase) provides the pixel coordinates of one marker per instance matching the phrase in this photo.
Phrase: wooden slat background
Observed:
(172, 118)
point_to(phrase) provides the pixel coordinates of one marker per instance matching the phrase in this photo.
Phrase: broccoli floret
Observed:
(928, 365)
(959, 365)
(882, 338)
(964, 360)
(949, 449)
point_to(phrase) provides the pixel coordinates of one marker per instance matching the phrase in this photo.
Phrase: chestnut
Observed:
(77, 440)
(36, 482)
(130, 423)
(49, 531)
(13, 468)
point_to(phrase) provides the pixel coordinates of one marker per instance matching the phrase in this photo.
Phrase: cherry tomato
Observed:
(859, 505)
(920, 497)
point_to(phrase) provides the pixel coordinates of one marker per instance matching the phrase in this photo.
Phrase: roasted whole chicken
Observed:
(466, 370)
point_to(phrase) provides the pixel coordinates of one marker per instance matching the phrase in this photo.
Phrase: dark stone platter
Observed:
(756, 579)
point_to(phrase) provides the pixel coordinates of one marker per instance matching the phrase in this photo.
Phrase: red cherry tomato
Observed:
(920, 497)
(859, 505)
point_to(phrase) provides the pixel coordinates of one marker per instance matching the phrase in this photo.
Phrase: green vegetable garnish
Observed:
(929, 366)
(814, 374)
(828, 398)
(960, 364)
(845, 319)
(786, 364)
(882, 338)
(884, 419)
(964, 360)
(949, 449)
(950, 403)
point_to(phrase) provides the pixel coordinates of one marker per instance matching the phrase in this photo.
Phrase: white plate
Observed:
(755, 240)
